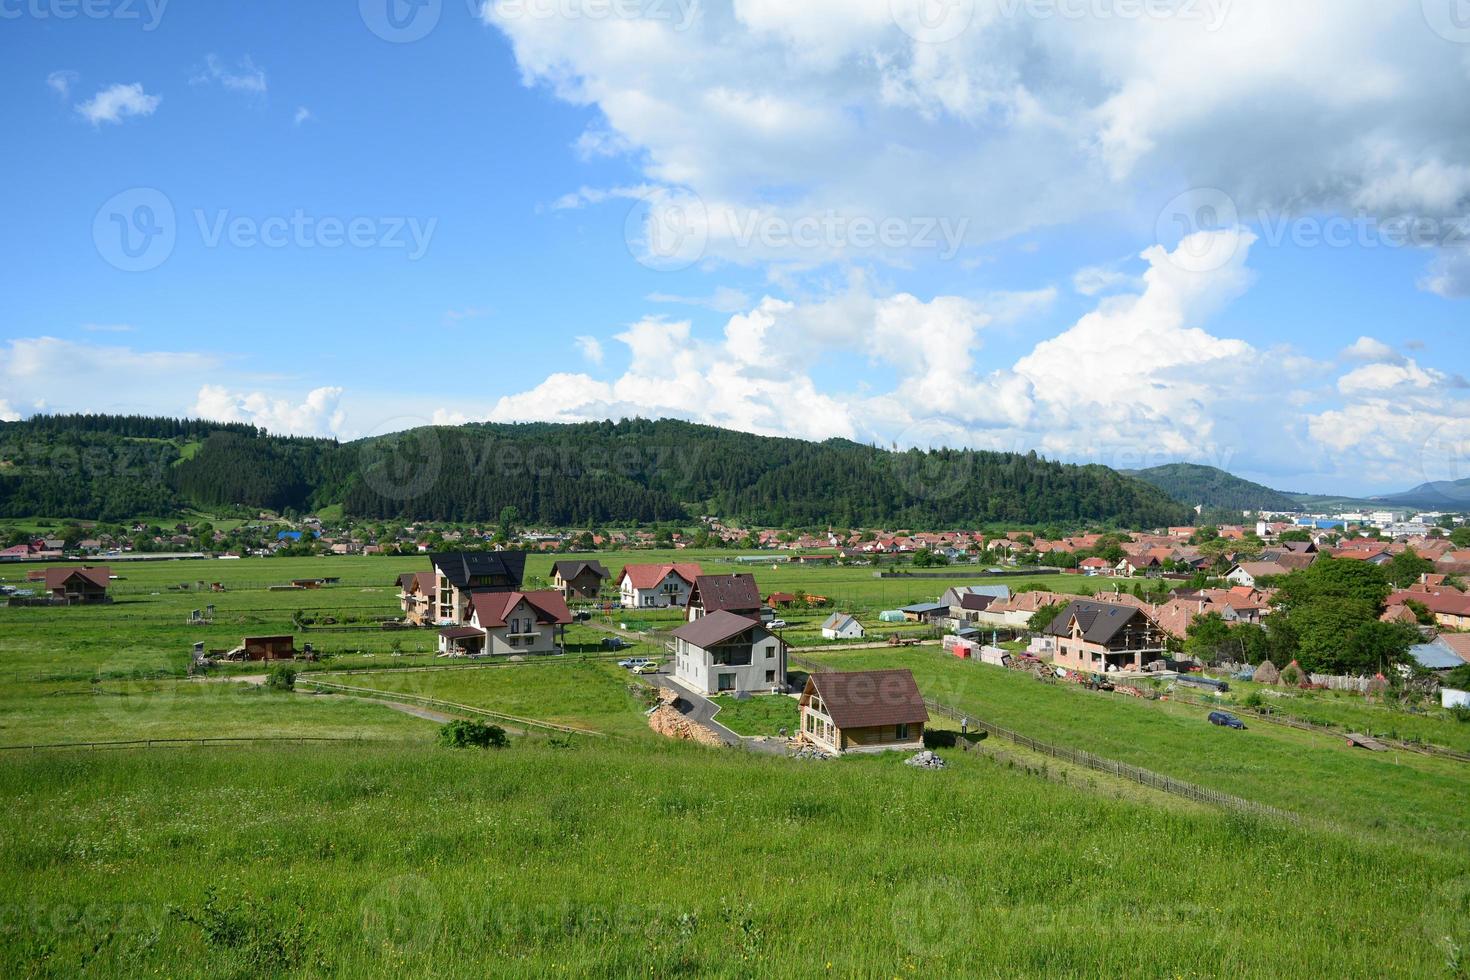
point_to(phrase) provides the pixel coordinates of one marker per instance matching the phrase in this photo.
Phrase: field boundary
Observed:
(1137, 774)
(161, 743)
(370, 692)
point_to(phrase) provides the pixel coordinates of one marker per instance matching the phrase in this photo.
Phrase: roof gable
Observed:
(718, 627)
(473, 569)
(867, 698)
(737, 593)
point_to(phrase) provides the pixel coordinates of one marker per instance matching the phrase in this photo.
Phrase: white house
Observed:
(508, 624)
(840, 626)
(723, 653)
(657, 586)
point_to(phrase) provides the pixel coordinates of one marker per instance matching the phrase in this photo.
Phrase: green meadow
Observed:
(628, 854)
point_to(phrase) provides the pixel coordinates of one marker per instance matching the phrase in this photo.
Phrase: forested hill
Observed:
(1216, 489)
(111, 468)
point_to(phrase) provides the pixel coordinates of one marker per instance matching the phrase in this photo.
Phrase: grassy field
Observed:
(1418, 797)
(631, 854)
(672, 860)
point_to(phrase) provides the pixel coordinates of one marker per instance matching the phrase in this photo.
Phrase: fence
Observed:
(1097, 763)
(369, 692)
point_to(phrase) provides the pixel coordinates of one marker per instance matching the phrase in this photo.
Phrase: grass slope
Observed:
(670, 860)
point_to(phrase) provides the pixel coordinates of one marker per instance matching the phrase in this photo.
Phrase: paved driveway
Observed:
(701, 709)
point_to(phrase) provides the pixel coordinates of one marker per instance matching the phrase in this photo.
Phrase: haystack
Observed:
(1267, 673)
(1294, 675)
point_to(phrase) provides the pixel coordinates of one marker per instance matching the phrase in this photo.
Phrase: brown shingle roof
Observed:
(737, 593)
(866, 698)
(717, 627)
(57, 577)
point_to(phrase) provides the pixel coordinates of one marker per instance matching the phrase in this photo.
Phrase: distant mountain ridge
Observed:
(1193, 484)
(1443, 494)
(112, 468)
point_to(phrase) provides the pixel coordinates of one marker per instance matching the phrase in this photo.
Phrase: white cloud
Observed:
(1449, 274)
(1370, 349)
(107, 327)
(761, 109)
(318, 415)
(119, 102)
(1095, 279)
(61, 82)
(591, 349)
(303, 114)
(8, 414)
(725, 299)
(244, 77)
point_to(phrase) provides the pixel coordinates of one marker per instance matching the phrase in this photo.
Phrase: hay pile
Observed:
(1267, 673)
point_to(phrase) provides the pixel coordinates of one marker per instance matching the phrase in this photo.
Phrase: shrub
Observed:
(935, 738)
(472, 734)
(281, 678)
(1254, 700)
(1461, 714)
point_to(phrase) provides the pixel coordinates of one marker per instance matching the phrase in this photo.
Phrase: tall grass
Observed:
(657, 859)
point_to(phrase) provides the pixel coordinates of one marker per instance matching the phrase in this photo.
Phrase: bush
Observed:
(1254, 700)
(938, 739)
(281, 678)
(1461, 714)
(472, 734)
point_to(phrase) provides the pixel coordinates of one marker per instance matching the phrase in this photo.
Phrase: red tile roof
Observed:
(58, 577)
(649, 576)
(492, 608)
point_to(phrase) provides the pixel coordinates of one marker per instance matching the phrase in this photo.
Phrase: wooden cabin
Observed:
(863, 711)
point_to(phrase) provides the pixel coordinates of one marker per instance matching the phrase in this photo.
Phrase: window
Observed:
(727, 682)
(770, 652)
(901, 732)
(770, 677)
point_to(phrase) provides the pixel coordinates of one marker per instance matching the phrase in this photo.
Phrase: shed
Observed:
(892, 616)
(269, 647)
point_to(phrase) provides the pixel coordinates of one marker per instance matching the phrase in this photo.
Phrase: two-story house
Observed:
(579, 579)
(723, 653)
(863, 711)
(458, 575)
(416, 595)
(1104, 636)
(657, 586)
(503, 624)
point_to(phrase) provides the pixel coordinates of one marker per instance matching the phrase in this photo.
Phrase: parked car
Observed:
(614, 643)
(1226, 720)
(635, 663)
(648, 667)
(582, 615)
(777, 624)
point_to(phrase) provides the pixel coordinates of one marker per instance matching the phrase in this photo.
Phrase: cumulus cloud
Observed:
(8, 414)
(1370, 349)
(118, 102)
(319, 415)
(591, 348)
(757, 110)
(74, 376)
(245, 76)
(303, 115)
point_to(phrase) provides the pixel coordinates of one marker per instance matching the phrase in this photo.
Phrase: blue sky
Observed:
(1101, 232)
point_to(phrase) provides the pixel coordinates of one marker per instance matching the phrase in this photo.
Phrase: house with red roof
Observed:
(78, 586)
(663, 586)
(504, 624)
